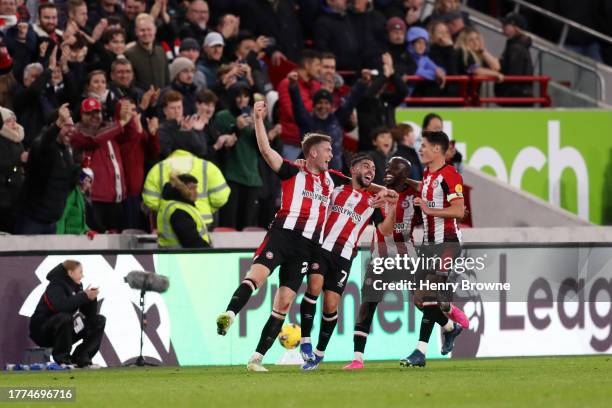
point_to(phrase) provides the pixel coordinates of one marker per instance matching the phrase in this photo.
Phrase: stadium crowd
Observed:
(102, 100)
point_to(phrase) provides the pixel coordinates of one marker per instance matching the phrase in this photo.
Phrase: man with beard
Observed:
(349, 212)
(398, 241)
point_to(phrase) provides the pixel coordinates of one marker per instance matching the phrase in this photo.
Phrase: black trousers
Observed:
(241, 208)
(58, 332)
(110, 215)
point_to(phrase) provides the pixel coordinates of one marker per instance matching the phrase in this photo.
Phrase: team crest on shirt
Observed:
(269, 255)
(406, 203)
(435, 183)
(314, 266)
(326, 181)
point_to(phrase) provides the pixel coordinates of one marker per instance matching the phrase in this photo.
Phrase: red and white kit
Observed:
(347, 216)
(304, 200)
(439, 189)
(406, 218)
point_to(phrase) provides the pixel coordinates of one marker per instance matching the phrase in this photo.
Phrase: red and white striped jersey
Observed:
(406, 218)
(347, 216)
(304, 199)
(438, 190)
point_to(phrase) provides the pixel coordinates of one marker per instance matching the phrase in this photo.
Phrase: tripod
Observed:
(140, 361)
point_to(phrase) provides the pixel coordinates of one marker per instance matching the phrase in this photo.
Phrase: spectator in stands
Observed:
(7, 79)
(377, 108)
(65, 314)
(442, 52)
(131, 10)
(334, 32)
(454, 21)
(516, 58)
(441, 10)
(12, 159)
(411, 11)
(196, 21)
(241, 165)
(148, 60)
(454, 157)
(213, 191)
(216, 143)
(8, 8)
(96, 88)
(279, 22)
(432, 122)
(50, 176)
(308, 71)
(418, 42)
(211, 60)
(384, 148)
(403, 63)
(22, 44)
(142, 146)
(105, 9)
(74, 218)
(46, 30)
(191, 50)
(473, 58)
(177, 131)
(121, 86)
(405, 138)
(77, 14)
(110, 47)
(100, 140)
(247, 53)
(182, 71)
(27, 100)
(229, 28)
(179, 224)
(369, 26)
(331, 80)
(322, 117)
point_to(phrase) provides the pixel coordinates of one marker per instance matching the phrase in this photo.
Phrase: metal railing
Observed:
(542, 49)
(567, 23)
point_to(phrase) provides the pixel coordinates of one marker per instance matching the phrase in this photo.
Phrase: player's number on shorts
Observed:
(344, 276)
(304, 267)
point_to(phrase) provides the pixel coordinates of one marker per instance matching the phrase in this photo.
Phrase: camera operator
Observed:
(65, 314)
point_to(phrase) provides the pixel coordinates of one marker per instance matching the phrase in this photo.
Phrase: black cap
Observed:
(514, 19)
(189, 44)
(322, 94)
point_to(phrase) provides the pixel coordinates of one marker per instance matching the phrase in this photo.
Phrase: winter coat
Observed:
(189, 96)
(134, 151)
(11, 167)
(516, 60)
(290, 133)
(334, 32)
(73, 219)
(377, 108)
(150, 67)
(102, 145)
(63, 295)
(279, 21)
(172, 137)
(50, 176)
(333, 125)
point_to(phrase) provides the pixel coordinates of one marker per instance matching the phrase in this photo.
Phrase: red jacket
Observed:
(290, 130)
(102, 146)
(134, 151)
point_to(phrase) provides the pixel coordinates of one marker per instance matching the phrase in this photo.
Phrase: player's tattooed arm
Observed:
(270, 155)
(456, 209)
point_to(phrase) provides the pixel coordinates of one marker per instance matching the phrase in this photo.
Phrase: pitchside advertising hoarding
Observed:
(558, 301)
(561, 156)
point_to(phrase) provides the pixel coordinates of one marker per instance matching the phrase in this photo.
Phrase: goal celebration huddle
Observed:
(316, 234)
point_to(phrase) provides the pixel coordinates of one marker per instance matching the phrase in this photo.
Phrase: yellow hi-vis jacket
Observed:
(213, 191)
(166, 236)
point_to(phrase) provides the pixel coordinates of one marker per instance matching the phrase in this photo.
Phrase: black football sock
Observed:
(439, 316)
(308, 307)
(242, 295)
(427, 324)
(270, 332)
(328, 324)
(362, 328)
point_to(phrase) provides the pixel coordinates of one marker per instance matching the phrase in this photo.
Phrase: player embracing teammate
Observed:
(295, 234)
(442, 204)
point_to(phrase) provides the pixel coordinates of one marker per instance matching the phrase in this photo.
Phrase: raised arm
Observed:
(270, 155)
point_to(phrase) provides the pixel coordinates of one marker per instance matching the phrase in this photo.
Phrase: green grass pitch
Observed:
(508, 382)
